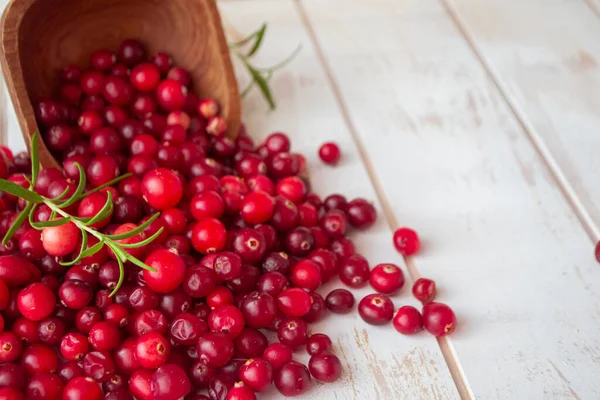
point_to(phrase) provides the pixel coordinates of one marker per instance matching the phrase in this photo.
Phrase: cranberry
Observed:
(11, 347)
(299, 241)
(105, 140)
(201, 374)
(361, 214)
(325, 367)
(438, 319)
(104, 336)
(387, 278)
(408, 320)
(86, 318)
(180, 75)
(12, 375)
(169, 274)
(139, 384)
(99, 365)
(102, 169)
(272, 283)
(406, 241)
(240, 391)
(217, 127)
(257, 207)
(115, 116)
(326, 261)
(36, 301)
(207, 204)
(318, 343)
(131, 52)
(318, 308)
(70, 73)
(215, 349)
(169, 382)
(259, 309)
(257, 373)
(60, 240)
(162, 189)
(74, 346)
(145, 77)
(175, 303)
(293, 332)
(329, 153)
(102, 59)
(226, 319)
(82, 388)
(187, 328)
(38, 358)
(250, 343)
(70, 370)
(246, 282)
(308, 215)
(59, 137)
(75, 294)
(50, 330)
(171, 95)
(227, 266)
(276, 262)
(424, 290)
(354, 271)
(292, 379)
(152, 350)
(148, 321)
(199, 281)
(376, 309)
(306, 274)
(219, 296)
(294, 302)
(124, 357)
(340, 301)
(333, 224)
(209, 236)
(45, 386)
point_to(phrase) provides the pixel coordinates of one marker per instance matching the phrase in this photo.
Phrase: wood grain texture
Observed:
(378, 363)
(39, 37)
(507, 251)
(549, 64)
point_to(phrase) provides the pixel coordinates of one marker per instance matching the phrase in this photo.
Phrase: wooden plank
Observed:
(507, 251)
(548, 62)
(379, 363)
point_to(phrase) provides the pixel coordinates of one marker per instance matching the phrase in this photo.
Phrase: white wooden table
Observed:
(476, 122)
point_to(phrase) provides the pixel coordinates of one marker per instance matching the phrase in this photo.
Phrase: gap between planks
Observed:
(526, 125)
(445, 344)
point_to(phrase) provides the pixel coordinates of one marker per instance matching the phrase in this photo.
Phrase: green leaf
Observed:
(19, 191)
(253, 82)
(140, 264)
(121, 277)
(104, 212)
(78, 192)
(262, 85)
(143, 242)
(92, 250)
(35, 159)
(84, 243)
(53, 222)
(107, 184)
(284, 62)
(135, 231)
(248, 38)
(260, 34)
(17, 224)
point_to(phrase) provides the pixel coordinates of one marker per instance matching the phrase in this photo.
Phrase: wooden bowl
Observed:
(40, 37)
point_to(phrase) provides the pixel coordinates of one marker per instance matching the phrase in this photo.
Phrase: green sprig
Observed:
(85, 225)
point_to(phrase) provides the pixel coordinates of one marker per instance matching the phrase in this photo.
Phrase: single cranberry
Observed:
(11, 347)
(306, 274)
(325, 367)
(163, 62)
(31, 246)
(199, 281)
(82, 388)
(438, 319)
(75, 294)
(276, 262)
(145, 77)
(74, 346)
(174, 220)
(219, 387)
(70, 73)
(60, 240)
(152, 350)
(250, 343)
(284, 164)
(98, 365)
(340, 301)
(272, 283)
(92, 82)
(259, 309)
(131, 52)
(327, 262)
(114, 116)
(240, 391)
(293, 332)
(209, 236)
(175, 303)
(376, 309)
(139, 384)
(207, 204)
(408, 320)
(102, 59)
(308, 215)
(169, 271)
(246, 282)
(219, 296)
(148, 321)
(226, 319)
(169, 382)
(387, 278)
(406, 241)
(38, 358)
(318, 308)
(178, 123)
(142, 298)
(292, 379)
(86, 318)
(45, 386)
(59, 137)
(299, 241)
(335, 202)
(186, 329)
(257, 373)
(292, 188)
(171, 95)
(162, 189)
(227, 266)
(278, 354)
(294, 302)
(117, 91)
(102, 169)
(285, 216)
(354, 271)
(329, 153)
(50, 330)
(318, 343)
(12, 375)
(104, 336)
(257, 207)
(333, 223)
(217, 127)
(424, 290)
(70, 370)
(124, 357)
(36, 301)
(361, 214)
(215, 349)
(249, 244)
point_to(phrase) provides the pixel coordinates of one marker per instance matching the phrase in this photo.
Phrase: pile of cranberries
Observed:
(245, 248)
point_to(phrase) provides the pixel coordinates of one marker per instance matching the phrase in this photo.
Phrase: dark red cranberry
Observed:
(340, 301)
(438, 319)
(131, 52)
(74, 346)
(325, 367)
(98, 365)
(175, 303)
(284, 164)
(293, 332)
(354, 271)
(38, 358)
(292, 379)
(149, 321)
(318, 308)
(102, 169)
(335, 202)
(318, 343)
(278, 354)
(259, 309)
(227, 266)
(75, 294)
(333, 223)
(285, 216)
(11, 347)
(329, 153)
(199, 281)
(12, 375)
(272, 283)
(50, 330)
(169, 382)
(246, 282)
(361, 214)
(219, 296)
(215, 349)
(250, 343)
(227, 319)
(59, 137)
(424, 290)
(276, 262)
(142, 298)
(376, 309)
(86, 318)
(249, 244)
(186, 329)
(219, 387)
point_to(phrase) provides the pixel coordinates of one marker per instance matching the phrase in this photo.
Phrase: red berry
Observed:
(226, 319)
(11, 347)
(45, 386)
(170, 382)
(278, 354)
(294, 302)
(360, 213)
(98, 365)
(340, 301)
(292, 379)
(206, 204)
(250, 245)
(325, 367)
(215, 349)
(408, 320)
(292, 188)
(75, 294)
(36, 301)
(38, 358)
(354, 271)
(74, 346)
(208, 108)
(438, 319)
(306, 274)
(171, 95)
(104, 336)
(209, 236)
(259, 309)
(152, 350)
(406, 241)
(376, 309)
(257, 207)
(424, 290)
(240, 391)
(82, 388)
(257, 373)
(387, 278)
(318, 343)
(186, 329)
(293, 332)
(170, 271)
(330, 153)
(145, 77)
(60, 240)
(162, 189)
